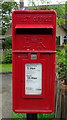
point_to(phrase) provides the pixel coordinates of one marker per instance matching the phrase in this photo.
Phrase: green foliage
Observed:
(60, 10)
(61, 63)
(7, 8)
(3, 45)
(65, 64)
(18, 115)
(42, 5)
(7, 57)
(0, 56)
(38, 2)
(5, 67)
(7, 44)
(46, 115)
(40, 115)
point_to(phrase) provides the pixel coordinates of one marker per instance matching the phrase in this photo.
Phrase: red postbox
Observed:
(34, 49)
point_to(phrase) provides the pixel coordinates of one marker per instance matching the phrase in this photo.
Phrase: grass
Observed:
(46, 116)
(18, 115)
(5, 67)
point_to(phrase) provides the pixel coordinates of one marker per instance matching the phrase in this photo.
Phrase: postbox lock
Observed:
(33, 56)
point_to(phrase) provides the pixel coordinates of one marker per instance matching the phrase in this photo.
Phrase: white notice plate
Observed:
(33, 78)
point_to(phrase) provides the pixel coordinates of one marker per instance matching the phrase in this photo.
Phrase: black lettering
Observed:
(32, 68)
(34, 78)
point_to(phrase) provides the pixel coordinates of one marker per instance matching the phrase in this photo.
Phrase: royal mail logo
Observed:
(42, 19)
(34, 19)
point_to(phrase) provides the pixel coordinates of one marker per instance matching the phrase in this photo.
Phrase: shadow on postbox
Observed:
(33, 48)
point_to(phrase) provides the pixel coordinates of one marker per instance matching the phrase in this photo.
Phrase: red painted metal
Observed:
(34, 26)
(30, 51)
(33, 32)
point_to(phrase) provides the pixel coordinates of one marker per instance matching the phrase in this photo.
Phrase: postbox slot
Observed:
(34, 30)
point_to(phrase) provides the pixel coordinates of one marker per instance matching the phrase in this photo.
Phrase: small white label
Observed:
(33, 78)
